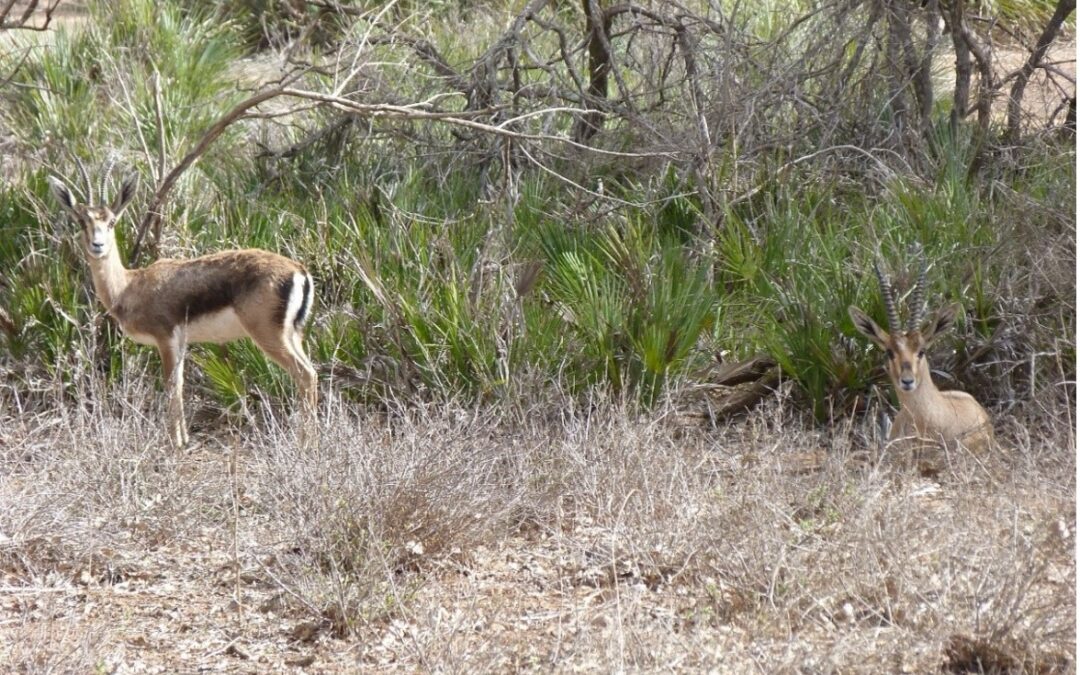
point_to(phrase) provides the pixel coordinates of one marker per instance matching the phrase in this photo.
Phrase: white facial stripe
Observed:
(101, 235)
(903, 366)
(99, 231)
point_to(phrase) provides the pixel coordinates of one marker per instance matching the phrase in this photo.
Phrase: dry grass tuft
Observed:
(965, 654)
(484, 538)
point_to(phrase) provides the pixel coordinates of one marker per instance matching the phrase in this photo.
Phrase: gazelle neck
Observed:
(109, 275)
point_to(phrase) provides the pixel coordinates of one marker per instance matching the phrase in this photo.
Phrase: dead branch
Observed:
(427, 53)
(1053, 27)
(153, 212)
(953, 16)
(987, 86)
(153, 215)
(22, 21)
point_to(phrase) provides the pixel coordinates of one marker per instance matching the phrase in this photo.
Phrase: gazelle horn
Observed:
(917, 301)
(105, 177)
(889, 296)
(89, 196)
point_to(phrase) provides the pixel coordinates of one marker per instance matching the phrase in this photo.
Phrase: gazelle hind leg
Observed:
(310, 425)
(297, 344)
(289, 348)
(283, 351)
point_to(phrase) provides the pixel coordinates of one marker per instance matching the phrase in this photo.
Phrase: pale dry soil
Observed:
(589, 541)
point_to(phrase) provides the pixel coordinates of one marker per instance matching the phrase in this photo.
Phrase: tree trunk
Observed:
(962, 89)
(597, 33)
(895, 54)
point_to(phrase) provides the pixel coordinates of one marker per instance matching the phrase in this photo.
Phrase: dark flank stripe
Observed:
(213, 298)
(305, 303)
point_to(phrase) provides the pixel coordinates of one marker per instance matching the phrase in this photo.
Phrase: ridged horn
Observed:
(103, 188)
(917, 300)
(889, 296)
(89, 196)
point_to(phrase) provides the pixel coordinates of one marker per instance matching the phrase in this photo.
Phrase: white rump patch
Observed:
(296, 299)
(221, 326)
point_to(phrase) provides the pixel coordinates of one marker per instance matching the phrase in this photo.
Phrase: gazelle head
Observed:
(905, 346)
(96, 220)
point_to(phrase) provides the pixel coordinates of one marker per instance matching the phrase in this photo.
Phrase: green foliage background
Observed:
(428, 285)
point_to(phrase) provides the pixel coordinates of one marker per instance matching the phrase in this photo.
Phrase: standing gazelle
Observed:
(219, 298)
(926, 413)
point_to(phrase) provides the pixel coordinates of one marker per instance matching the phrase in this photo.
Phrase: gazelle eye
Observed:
(888, 354)
(922, 353)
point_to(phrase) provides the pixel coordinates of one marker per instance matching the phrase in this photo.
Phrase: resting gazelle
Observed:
(926, 413)
(218, 298)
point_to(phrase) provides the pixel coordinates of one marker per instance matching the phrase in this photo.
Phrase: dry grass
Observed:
(463, 539)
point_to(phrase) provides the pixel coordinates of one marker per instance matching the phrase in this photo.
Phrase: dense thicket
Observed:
(496, 199)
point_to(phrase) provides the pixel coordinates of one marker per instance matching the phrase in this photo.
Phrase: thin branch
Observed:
(153, 211)
(20, 23)
(373, 110)
(159, 115)
(1061, 12)
(599, 195)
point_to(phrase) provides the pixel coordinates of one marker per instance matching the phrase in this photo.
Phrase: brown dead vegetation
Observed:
(457, 538)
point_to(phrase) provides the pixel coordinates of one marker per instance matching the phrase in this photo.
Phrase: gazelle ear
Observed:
(62, 193)
(867, 326)
(940, 321)
(123, 197)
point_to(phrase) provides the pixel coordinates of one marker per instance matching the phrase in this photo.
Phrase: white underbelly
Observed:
(141, 338)
(222, 326)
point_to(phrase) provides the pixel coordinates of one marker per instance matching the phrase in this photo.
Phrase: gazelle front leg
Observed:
(902, 426)
(172, 352)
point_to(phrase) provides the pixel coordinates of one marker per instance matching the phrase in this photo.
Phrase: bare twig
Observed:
(954, 18)
(1053, 27)
(22, 21)
(159, 116)
(153, 211)
(404, 112)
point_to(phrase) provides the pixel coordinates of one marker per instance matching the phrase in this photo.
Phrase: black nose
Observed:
(907, 381)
